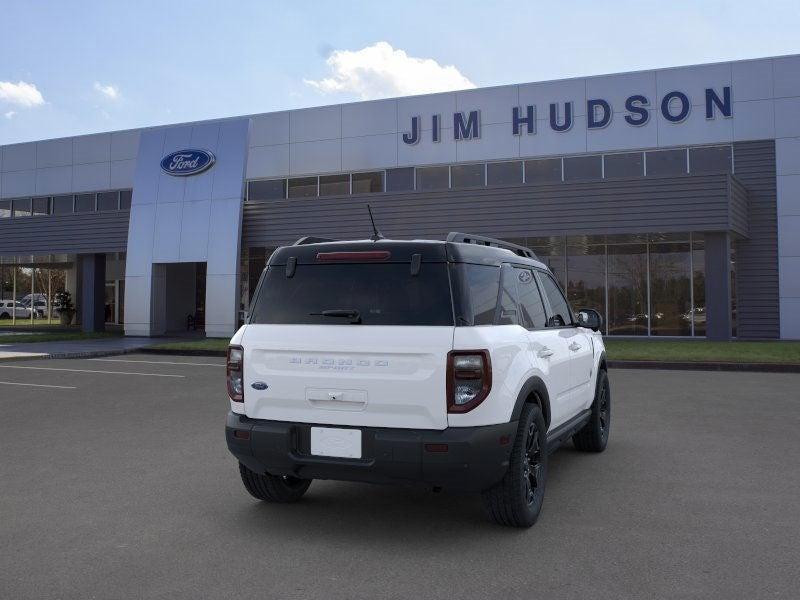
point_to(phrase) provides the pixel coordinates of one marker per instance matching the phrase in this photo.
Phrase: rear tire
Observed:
(272, 488)
(517, 500)
(594, 435)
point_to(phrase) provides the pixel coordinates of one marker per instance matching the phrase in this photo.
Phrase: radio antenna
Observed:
(376, 235)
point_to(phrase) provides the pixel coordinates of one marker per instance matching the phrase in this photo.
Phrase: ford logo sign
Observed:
(187, 162)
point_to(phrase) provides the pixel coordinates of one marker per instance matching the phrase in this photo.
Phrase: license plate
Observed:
(332, 441)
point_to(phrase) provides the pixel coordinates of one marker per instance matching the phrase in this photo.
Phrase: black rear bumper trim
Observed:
(476, 457)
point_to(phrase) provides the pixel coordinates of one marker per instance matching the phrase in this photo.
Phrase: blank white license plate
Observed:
(331, 441)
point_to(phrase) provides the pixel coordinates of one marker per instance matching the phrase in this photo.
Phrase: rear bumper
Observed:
(475, 459)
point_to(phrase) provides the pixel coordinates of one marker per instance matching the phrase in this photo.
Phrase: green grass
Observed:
(220, 344)
(53, 336)
(703, 351)
(655, 350)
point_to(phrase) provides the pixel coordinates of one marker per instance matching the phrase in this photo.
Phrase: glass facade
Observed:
(642, 284)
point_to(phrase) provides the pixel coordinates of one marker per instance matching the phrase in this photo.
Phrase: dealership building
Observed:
(668, 200)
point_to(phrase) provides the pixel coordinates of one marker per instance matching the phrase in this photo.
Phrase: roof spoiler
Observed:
(468, 238)
(310, 239)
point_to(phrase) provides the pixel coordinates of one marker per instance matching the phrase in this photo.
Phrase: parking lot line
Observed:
(158, 362)
(42, 385)
(91, 371)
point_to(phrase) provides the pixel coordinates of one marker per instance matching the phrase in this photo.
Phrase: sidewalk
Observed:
(77, 348)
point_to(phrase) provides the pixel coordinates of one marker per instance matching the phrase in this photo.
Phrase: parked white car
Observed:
(11, 308)
(455, 364)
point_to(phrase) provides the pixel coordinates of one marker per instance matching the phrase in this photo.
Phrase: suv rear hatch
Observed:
(351, 336)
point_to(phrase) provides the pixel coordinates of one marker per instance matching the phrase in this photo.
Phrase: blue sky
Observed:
(69, 68)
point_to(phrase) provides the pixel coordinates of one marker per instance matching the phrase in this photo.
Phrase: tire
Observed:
(594, 435)
(517, 500)
(5, 315)
(272, 488)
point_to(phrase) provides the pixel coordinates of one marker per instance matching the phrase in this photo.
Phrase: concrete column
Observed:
(93, 288)
(718, 286)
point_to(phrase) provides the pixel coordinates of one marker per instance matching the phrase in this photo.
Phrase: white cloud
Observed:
(20, 93)
(10, 114)
(380, 71)
(109, 91)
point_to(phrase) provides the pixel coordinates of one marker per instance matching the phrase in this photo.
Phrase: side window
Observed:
(530, 300)
(560, 314)
(482, 284)
(507, 298)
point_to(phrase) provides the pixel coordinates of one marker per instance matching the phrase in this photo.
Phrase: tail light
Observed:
(234, 371)
(469, 379)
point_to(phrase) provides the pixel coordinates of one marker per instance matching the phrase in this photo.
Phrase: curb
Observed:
(705, 366)
(61, 355)
(220, 353)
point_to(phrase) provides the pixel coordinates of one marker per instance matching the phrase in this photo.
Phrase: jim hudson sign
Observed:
(674, 106)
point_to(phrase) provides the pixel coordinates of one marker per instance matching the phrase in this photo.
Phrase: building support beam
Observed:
(718, 286)
(93, 289)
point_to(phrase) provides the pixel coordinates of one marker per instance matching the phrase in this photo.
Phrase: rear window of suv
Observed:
(380, 293)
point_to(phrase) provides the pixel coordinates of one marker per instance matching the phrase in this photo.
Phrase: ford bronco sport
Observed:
(456, 364)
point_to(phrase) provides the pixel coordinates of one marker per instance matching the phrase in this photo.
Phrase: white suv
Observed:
(456, 364)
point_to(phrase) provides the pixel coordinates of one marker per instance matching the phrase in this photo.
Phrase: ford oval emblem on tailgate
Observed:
(259, 385)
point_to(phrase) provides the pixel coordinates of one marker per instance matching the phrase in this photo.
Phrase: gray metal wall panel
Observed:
(71, 234)
(739, 207)
(757, 257)
(697, 203)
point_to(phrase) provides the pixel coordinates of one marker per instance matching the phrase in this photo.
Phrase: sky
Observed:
(71, 68)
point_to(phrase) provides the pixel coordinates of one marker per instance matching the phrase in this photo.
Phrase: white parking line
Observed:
(90, 371)
(60, 387)
(158, 362)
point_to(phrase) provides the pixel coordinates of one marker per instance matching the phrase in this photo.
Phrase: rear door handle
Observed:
(545, 352)
(575, 346)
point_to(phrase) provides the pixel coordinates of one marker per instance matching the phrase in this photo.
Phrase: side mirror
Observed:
(590, 318)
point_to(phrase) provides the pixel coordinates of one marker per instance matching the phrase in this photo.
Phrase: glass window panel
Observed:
(62, 205)
(530, 300)
(400, 180)
(125, 199)
(627, 289)
(368, 183)
(303, 187)
(560, 314)
(475, 293)
(586, 275)
(270, 189)
(552, 252)
(504, 173)
(666, 162)
(5, 209)
(334, 185)
(22, 207)
(670, 295)
(433, 178)
(41, 206)
(580, 168)
(468, 175)
(84, 203)
(630, 164)
(108, 201)
(507, 302)
(714, 159)
(699, 285)
(547, 170)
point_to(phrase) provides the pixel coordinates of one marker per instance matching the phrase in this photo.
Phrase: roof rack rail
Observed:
(310, 239)
(468, 238)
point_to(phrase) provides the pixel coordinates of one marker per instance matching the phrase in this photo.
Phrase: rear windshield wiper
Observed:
(345, 313)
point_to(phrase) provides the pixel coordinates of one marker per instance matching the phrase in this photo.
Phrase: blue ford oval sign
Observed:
(187, 162)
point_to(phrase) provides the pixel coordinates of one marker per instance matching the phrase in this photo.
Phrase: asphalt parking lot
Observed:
(115, 482)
